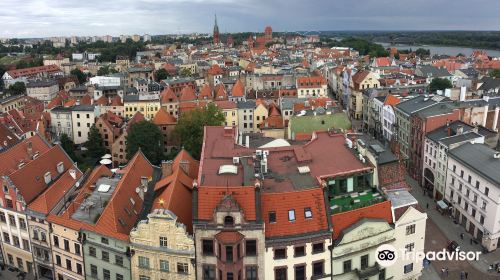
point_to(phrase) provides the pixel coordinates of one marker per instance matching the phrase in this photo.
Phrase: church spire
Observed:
(216, 32)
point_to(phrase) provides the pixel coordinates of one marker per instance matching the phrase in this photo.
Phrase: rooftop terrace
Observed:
(354, 200)
(94, 203)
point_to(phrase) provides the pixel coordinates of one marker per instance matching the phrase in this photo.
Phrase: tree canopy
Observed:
(106, 70)
(440, 84)
(161, 74)
(82, 78)
(68, 146)
(148, 137)
(17, 88)
(95, 144)
(495, 73)
(364, 47)
(189, 129)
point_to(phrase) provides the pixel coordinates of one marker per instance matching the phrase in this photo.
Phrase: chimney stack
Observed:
(460, 129)
(30, 148)
(166, 168)
(184, 164)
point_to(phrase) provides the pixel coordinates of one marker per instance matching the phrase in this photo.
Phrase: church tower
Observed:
(216, 32)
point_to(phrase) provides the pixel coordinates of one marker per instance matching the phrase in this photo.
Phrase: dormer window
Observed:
(60, 167)
(47, 177)
(308, 213)
(291, 215)
(228, 221)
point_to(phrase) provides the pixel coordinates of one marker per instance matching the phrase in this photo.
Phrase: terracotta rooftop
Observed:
(238, 89)
(162, 117)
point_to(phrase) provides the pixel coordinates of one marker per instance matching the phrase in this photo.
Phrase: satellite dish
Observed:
(106, 156)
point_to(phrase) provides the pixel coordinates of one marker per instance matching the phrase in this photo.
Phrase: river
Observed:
(449, 50)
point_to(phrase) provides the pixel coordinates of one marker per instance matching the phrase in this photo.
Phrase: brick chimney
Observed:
(184, 164)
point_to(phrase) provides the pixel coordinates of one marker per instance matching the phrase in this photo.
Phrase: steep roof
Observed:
(209, 197)
(168, 95)
(299, 201)
(220, 92)
(31, 71)
(238, 89)
(391, 100)
(206, 92)
(187, 94)
(162, 117)
(10, 159)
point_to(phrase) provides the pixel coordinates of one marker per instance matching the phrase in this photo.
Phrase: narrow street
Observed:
(440, 230)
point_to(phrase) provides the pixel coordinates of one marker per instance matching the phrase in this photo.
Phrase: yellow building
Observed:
(148, 105)
(260, 114)
(162, 248)
(230, 111)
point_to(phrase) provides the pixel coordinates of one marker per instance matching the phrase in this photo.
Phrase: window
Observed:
(461, 173)
(409, 247)
(58, 260)
(93, 271)
(251, 272)
(106, 274)
(208, 272)
(56, 241)
(364, 262)
(143, 277)
(119, 277)
(15, 239)
(92, 252)
(118, 260)
(77, 249)
(20, 263)
(164, 265)
(228, 221)
(182, 268)
(347, 266)
(469, 179)
(251, 247)
(486, 191)
(408, 268)
(6, 237)
(280, 273)
(105, 256)
(104, 240)
(272, 217)
(300, 272)
(229, 253)
(477, 184)
(229, 276)
(318, 268)
(12, 220)
(22, 223)
(2, 217)
(208, 247)
(381, 274)
(79, 269)
(291, 215)
(318, 248)
(308, 213)
(143, 262)
(410, 229)
(163, 241)
(26, 245)
(9, 203)
(299, 251)
(279, 254)
(68, 264)
(66, 245)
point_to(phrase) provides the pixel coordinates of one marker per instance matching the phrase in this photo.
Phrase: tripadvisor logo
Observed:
(386, 255)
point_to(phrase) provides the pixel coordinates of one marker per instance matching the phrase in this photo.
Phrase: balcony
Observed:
(368, 271)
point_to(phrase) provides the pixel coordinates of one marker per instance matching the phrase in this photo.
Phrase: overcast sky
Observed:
(42, 18)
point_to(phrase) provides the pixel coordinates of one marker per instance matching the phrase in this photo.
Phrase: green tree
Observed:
(189, 129)
(161, 74)
(185, 72)
(95, 144)
(440, 84)
(103, 71)
(148, 137)
(68, 146)
(17, 88)
(495, 73)
(82, 78)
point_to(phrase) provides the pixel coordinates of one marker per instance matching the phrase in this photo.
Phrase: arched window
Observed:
(228, 221)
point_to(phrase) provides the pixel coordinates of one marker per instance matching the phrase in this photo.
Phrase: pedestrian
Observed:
(471, 241)
(447, 272)
(427, 205)
(443, 271)
(466, 275)
(462, 275)
(462, 236)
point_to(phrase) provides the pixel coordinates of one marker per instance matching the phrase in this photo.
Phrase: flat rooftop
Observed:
(400, 198)
(94, 204)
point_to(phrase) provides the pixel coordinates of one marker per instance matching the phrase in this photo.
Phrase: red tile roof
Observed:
(10, 159)
(32, 71)
(238, 89)
(342, 221)
(215, 70)
(220, 92)
(206, 92)
(209, 197)
(168, 95)
(173, 192)
(391, 100)
(311, 82)
(162, 117)
(29, 180)
(281, 203)
(229, 237)
(225, 104)
(187, 94)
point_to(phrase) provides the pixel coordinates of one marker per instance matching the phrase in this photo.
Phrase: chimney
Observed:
(166, 168)
(460, 129)
(184, 164)
(247, 141)
(449, 131)
(144, 182)
(30, 148)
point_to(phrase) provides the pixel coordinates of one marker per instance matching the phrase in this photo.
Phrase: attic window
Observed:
(228, 221)
(121, 222)
(272, 217)
(60, 167)
(291, 215)
(47, 177)
(308, 213)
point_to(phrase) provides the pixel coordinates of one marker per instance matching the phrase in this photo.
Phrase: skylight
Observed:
(228, 169)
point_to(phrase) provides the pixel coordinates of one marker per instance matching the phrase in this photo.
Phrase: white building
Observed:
(60, 119)
(105, 81)
(474, 190)
(83, 117)
(43, 90)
